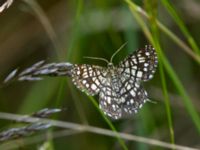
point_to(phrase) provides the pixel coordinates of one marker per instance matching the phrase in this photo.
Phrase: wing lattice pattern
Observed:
(88, 78)
(119, 88)
(141, 65)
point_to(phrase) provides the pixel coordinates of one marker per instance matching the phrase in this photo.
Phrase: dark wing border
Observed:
(141, 65)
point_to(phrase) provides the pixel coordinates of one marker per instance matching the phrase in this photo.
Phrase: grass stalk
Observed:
(165, 30)
(181, 25)
(152, 9)
(96, 130)
(121, 142)
(180, 88)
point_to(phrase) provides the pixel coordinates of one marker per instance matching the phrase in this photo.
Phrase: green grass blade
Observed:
(70, 56)
(121, 142)
(179, 42)
(180, 23)
(152, 10)
(186, 99)
(175, 39)
(167, 103)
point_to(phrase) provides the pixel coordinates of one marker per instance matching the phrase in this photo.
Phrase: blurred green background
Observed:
(68, 30)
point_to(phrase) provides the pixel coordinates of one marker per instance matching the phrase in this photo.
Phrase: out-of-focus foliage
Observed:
(67, 30)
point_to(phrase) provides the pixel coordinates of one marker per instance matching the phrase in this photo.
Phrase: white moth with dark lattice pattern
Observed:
(119, 87)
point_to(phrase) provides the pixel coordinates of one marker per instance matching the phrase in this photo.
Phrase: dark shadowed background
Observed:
(68, 30)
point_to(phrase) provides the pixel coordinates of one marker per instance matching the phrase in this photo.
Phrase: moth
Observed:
(119, 87)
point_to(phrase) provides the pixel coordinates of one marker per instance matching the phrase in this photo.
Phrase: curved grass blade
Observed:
(135, 8)
(155, 36)
(109, 123)
(181, 24)
(69, 55)
(186, 99)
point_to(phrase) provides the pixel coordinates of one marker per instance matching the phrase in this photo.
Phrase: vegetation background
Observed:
(68, 30)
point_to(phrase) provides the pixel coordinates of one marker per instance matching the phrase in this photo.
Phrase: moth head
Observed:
(110, 65)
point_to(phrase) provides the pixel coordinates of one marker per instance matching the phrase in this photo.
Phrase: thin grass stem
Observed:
(96, 130)
(181, 90)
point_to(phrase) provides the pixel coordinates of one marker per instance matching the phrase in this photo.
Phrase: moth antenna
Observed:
(151, 101)
(117, 52)
(97, 58)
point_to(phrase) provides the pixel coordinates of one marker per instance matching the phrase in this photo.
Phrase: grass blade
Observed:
(186, 99)
(180, 23)
(151, 5)
(109, 123)
(163, 28)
